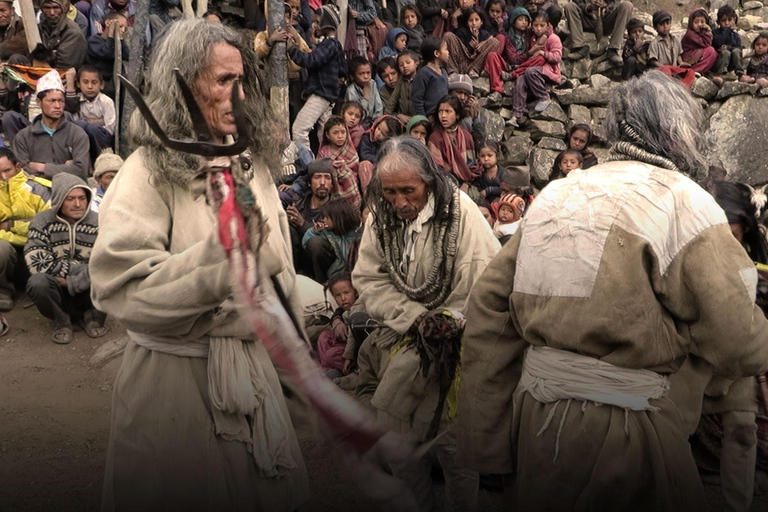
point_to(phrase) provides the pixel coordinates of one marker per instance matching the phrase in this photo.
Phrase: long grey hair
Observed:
(187, 45)
(656, 114)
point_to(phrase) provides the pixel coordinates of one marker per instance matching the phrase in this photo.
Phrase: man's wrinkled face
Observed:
(105, 180)
(213, 89)
(52, 12)
(320, 184)
(404, 189)
(6, 14)
(7, 169)
(75, 205)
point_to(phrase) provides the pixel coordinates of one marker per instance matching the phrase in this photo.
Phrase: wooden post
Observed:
(341, 33)
(278, 65)
(202, 6)
(186, 8)
(117, 70)
(30, 24)
(137, 40)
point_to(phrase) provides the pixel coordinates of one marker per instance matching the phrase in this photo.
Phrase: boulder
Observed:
(747, 21)
(607, 68)
(481, 86)
(645, 17)
(540, 163)
(704, 88)
(736, 88)
(598, 114)
(737, 137)
(716, 4)
(752, 4)
(580, 69)
(515, 150)
(712, 109)
(761, 26)
(492, 124)
(598, 81)
(509, 88)
(763, 92)
(554, 112)
(584, 96)
(552, 143)
(540, 129)
(579, 114)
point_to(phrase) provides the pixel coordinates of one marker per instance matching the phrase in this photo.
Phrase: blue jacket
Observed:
(427, 89)
(326, 64)
(722, 36)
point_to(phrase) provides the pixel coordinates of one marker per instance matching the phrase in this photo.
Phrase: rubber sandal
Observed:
(93, 329)
(62, 335)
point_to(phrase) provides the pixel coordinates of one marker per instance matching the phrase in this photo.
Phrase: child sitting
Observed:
(516, 47)
(451, 146)
(93, 111)
(397, 41)
(101, 49)
(410, 20)
(635, 53)
(381, 130)
(757, 68)
(352, 112)
(510, 211)
(487, 184)
(336, 347)
(727, 42)
(362, 88)
(326, 65)
(418, 128)
(337, 146)
(697, 42)
(665, 50)
(338, 226)
(497, 20)
(470, 45)
(567, 161)
(400, 103)
(389, 75)
(579, 137)
(104, 171)
(535, 77)
(431, 82)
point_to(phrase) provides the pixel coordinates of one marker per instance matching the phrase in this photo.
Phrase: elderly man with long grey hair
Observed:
(199, 421)
(616, 274)
(424, 246)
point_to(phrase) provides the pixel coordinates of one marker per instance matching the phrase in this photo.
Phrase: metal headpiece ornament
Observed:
(203, 146)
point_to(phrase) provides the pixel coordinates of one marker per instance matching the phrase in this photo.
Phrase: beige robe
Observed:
(158, 269)
(629, 264)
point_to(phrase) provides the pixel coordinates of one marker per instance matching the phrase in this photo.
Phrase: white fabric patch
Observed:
(749, 277)
(565, 230)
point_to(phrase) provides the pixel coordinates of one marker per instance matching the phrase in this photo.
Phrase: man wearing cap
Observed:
(461, 87)
(12, 37)
(583, 15)
(104, 171)
(62, 35)
(52, 144)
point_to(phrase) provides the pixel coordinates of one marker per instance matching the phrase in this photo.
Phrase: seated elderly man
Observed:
(57, 253)
(62, 35)
(585, 15)
(424, 245)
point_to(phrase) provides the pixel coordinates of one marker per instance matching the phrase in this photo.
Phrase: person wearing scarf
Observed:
(453, 147)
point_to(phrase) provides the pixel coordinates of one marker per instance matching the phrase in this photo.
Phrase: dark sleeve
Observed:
(427, 9)
(72, 50)
(78, 153)
(320, 56)
(16, 44)
(305, 15)
(418, 93)
(101, 47)
(367, 151)
(72, 103)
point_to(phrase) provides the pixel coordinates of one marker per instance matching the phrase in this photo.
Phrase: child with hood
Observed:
(397, 41)
(697, 42)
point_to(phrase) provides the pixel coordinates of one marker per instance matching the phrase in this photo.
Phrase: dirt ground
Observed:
(54, 427)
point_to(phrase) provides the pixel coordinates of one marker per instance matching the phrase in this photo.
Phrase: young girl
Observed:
(381, 130)
(452, 146)
(418, 128)
(339, 148)
(362, 89)
(338, 227)
(536, 75)
(567, 161)
(470, 44)
(410, 20)
(497, 19)
(697, 42)
(579, 137)
(757, 67)
(332, 344)
(431, 81)
(487, 184)
(352, 112)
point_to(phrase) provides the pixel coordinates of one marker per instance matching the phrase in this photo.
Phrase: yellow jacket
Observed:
(21, 198)
(262, 50)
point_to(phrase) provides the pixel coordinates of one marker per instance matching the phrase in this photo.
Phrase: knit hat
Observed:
(660, 17)
(321, 165)
(634, 23)
(514, 201)
(330, 17)
(414, 120)
(460, 83)
(51, 81)
(517, 12)
(106, 162)
(60, 3)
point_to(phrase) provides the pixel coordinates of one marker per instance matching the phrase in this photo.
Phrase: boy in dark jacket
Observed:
(325, 64)
(728, 45)
(101, 49)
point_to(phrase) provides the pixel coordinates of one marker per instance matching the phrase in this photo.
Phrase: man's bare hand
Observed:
(294, 217)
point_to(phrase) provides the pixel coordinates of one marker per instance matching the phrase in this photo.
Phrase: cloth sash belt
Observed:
(550, 375)
(239, 391)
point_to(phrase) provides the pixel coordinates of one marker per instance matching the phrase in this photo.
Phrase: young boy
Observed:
(728, 45)
(104, 171)
(101, 49)
(400, 103)
(326, 64)
(388, 73)
(397, 41)
(665, 50)
(94, 111)
(635, 53)
(363, 89)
